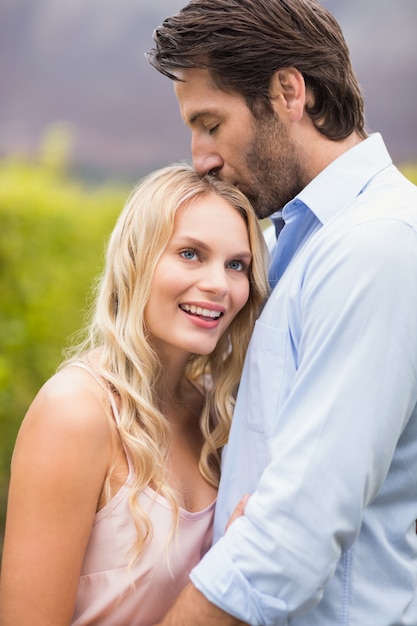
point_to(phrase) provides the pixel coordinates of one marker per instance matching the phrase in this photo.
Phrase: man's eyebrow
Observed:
(198, 115)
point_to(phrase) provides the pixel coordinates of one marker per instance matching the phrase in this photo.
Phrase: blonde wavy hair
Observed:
(118, 334)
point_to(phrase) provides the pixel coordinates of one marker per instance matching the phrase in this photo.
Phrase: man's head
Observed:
(267, 89)
(242, 43)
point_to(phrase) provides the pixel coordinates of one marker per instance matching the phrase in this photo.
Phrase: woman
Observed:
(116, 464)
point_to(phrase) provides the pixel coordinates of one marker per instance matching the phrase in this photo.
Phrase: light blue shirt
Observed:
(324, 434)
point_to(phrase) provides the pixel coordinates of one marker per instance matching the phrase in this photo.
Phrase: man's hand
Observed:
(239, 510)
(193, 609)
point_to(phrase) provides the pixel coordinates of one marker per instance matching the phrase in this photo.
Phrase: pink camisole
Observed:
(112, 594)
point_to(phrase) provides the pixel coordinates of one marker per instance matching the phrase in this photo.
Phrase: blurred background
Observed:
(83, 116)
(82, 62)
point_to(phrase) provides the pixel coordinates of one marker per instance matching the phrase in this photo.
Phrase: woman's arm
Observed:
(61, 457)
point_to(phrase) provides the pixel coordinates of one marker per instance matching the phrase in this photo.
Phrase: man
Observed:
(324, 435)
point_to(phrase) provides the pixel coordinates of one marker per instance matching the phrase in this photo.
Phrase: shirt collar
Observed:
(337, 186)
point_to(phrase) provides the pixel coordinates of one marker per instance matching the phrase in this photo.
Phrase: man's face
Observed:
(254, 154)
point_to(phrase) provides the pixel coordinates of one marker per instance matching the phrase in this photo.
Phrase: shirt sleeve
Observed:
(355, 338)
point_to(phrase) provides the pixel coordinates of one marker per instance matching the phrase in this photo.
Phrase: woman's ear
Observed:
(288, 93)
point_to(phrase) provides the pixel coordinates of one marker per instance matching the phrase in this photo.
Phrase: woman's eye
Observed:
(238, 266)
(189, 254)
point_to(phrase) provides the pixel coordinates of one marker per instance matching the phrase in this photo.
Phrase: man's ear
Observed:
(288, 93)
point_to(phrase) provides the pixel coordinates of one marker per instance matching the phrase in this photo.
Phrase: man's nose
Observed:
(205, 160)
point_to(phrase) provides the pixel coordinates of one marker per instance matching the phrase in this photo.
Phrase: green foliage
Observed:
(410, 170)
(52, 239)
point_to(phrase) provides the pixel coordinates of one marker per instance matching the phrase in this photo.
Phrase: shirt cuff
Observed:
(226, 587)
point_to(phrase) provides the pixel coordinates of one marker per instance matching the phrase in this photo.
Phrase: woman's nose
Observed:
(215, 280)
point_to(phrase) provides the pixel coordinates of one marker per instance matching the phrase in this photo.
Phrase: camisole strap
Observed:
(102, 384)
(112, 401)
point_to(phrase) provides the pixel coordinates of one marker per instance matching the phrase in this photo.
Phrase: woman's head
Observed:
(201, 280)
(141, 236)
(244, 42)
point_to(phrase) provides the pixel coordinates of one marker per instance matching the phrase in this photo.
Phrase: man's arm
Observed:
(193, 609)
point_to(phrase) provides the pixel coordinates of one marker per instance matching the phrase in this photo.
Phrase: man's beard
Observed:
(275, 170)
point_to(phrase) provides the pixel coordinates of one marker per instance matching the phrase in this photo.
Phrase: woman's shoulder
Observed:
(65, 439)
(71, 400)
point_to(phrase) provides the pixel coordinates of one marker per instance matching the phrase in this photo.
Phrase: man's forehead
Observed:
(196, 93)
(193, 74)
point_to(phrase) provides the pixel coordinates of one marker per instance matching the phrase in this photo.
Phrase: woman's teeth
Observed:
(198, 310)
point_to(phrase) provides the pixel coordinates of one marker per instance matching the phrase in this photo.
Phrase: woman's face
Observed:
(201, 280)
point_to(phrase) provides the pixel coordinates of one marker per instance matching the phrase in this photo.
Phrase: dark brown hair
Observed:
(244, 42)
